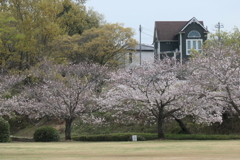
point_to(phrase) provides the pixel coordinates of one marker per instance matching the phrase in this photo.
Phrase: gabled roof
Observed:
(168, 30)
(194, 20)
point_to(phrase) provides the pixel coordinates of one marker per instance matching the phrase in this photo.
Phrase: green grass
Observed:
(167, 149)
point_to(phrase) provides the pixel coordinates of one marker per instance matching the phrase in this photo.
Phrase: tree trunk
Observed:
(20, 67)
(160, 128)
(68, 128)
(160, 121)
(182, 125)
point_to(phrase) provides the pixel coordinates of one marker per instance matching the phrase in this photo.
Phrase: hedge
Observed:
(152, 136)
(201, 137)
(116, 137)
(4, 131)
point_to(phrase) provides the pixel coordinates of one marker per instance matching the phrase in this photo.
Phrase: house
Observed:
(178, 38)
(138, 55)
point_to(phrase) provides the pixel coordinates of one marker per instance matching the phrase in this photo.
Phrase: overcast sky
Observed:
(133, 13)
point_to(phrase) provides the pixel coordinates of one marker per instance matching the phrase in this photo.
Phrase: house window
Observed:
(130, 58)
(195, 44)
(194, 34)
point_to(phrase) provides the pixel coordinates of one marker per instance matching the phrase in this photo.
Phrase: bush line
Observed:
(151, 136)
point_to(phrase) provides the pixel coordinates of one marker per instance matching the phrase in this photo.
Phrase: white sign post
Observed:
(134, 138)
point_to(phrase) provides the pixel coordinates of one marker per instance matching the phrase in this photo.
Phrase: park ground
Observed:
(164, 150)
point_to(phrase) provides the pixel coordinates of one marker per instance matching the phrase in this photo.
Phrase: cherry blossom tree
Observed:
(62, 92)
(151, 89)
(215, 74)
(7, 82)
(2, 91)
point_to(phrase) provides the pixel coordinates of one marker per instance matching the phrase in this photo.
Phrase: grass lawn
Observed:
(171, 150)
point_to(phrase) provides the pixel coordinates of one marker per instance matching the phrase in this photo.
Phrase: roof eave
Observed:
(190, 22)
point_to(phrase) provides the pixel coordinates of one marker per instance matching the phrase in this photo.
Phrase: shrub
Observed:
(152, 136)
(116, 137)
(201, 137)
(4, 131)
(46, 134)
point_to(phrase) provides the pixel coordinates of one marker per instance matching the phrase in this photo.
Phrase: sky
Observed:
(133, 13)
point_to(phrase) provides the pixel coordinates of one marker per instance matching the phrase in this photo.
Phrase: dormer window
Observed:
(194, 34)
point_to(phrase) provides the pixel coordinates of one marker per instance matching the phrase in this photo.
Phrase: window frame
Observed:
(130, 56)
(197, 47)
(194, 35)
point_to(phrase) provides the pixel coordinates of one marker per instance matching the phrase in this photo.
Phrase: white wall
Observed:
(147, 56)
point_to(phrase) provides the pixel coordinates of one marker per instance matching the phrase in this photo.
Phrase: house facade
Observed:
(178, 38)
(138, 55)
